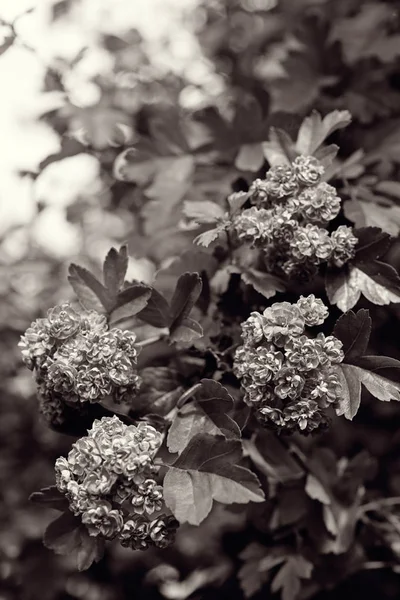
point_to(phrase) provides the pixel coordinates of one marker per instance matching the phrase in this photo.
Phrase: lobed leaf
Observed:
(90, 291)
(156, 311)
(288, 579)
(131, 301)
(187, 291)
(205, 471)
(314, 130)
(372, 243)
(114, 269)
(353, 330)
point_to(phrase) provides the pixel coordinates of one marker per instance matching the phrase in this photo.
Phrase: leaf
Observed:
(90, 550)
(203, 211)
(314, 130)
(207, 414)
(288, 579)
(342, 288)
(207, 470)
(62, 535)
(50, 496)
(187, 292)
(316, 490)
(114, 269)
(131, 301)
(380, 387)
(187, 331)
(250, 158)
(272, 458)
(350, 398)
(372, 243)
(90, 291)
(353, 330)
(236, 201)
(156, 311)
(263, 283)
(207, 237)
(377, 364)
(385, 285)
(258, 562)
(369, 214)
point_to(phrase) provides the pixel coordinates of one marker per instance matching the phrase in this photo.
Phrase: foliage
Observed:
(219, 375)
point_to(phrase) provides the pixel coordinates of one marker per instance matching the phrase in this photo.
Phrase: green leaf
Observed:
(203, 211)
(156, 311)
(288, 579)
(342, 288)
(131, 301)
(114, 269)
(353, 330)
(187, 291)
(265, 284)
(208, 413)
(314, 130)
(372, 243)
(207, 470)
(50, 496)
(90, 291)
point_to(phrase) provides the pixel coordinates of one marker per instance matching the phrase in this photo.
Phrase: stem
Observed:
(149, 341)
(377, 504)
(188, 394)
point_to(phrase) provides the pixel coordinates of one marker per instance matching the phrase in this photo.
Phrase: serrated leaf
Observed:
(255, 572)
(156, 311)
(62, 535)
(187, 331)
(90, 291)
(380, 387)
(207, 470)
(90, 550)
(250, 157)
(131, 301)
(372, 243)
(236, 201)
(314, 130)
(386, 282)
(187, 291)
(272, 458)
(326, 154)
(208, 237)
(203, 211)
(369, 214)
(350, 397)
(50, 496)
(378, 364)
(288, 579)
(264, 283)
(114, 269)
(208, 413)
(342, 288)
(353, 330)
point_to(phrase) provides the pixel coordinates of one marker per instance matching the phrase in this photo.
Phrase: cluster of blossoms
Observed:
(292, 207)
(77, 358)
(108, 479)
(288, 377)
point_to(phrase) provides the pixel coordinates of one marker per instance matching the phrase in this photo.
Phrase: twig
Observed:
(149, 341)
(188, 394)
(377, 504)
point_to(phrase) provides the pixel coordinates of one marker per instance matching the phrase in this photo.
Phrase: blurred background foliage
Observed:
(194, 86)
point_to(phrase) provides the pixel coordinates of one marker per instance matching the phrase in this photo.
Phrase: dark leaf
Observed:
(258, 561)
(90, 291)
(372, 243)
(62, 535)
(50, 496)
(272, 458)
(131, 301)
(354, 330)
(208, 413)
(208, 470)
(187, 292)
(156, 311)
(114, 269)
(90, 550)
(186, 331)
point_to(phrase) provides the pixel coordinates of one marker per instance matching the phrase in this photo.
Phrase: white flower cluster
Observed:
(108, 478)
(287, 376)
(292, 207)
(77, 358)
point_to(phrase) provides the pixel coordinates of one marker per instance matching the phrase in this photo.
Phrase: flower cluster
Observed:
(287, 376)
(108, 479)
(77, 358)
(292, 207)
